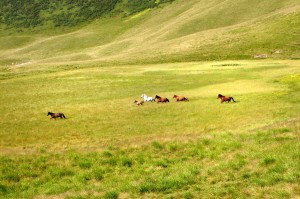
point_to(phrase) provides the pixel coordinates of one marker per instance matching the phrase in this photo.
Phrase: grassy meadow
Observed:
(108, 147)
(91, 60)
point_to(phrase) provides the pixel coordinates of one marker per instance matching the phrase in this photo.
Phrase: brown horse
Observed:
(138, 102)
(160, 99)
(180, 98)
(225, 99)
(56, 115)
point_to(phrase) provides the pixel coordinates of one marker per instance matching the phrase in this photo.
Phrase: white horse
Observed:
(147, 99)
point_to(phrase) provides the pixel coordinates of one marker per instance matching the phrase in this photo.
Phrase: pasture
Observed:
(108, 147)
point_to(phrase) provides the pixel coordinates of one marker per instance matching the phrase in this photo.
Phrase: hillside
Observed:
(148, 31)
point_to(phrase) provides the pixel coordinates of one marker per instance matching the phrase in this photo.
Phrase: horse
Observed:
(225, 99)
(138, 102)
(147, 99)
(56, 115)
(180, 98)
(160, 99)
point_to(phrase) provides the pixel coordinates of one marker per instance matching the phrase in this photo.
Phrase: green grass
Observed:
(224, 165)
(108, 147)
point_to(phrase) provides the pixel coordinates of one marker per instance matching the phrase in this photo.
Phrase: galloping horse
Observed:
(147, 99)
(225, 99)
(138, 102)
(180, 98)
(160, 99)
(56, 115)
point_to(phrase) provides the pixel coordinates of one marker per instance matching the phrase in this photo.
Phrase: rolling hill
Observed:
(164, 31)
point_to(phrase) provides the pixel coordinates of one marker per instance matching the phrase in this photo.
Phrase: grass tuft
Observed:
(111, 195)
(269, 160)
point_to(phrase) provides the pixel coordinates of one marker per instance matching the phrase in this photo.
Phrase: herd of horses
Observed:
(157, 99)
(178, 98)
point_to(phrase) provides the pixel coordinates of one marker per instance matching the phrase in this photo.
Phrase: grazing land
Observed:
(92, 59)
(108, 147)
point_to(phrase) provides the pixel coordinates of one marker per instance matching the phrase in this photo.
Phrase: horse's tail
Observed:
(232, 99)
(63, 115)
(168, 100)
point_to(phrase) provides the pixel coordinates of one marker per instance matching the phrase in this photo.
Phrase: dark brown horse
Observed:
(160, 99)
(225, 99)
(56, 115)
(180, 98)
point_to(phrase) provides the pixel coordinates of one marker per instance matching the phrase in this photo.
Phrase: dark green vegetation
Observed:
(108, 147)
(20, 14)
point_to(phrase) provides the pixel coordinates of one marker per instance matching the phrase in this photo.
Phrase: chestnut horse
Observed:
(225, 99)
(56, 115)
(180, 98)
(160, 99)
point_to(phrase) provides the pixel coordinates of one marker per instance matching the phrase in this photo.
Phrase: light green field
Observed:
(108, 147)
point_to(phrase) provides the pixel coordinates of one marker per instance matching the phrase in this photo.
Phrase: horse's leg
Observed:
(232, 99)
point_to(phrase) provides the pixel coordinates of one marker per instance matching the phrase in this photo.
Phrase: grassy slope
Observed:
(181, 31)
